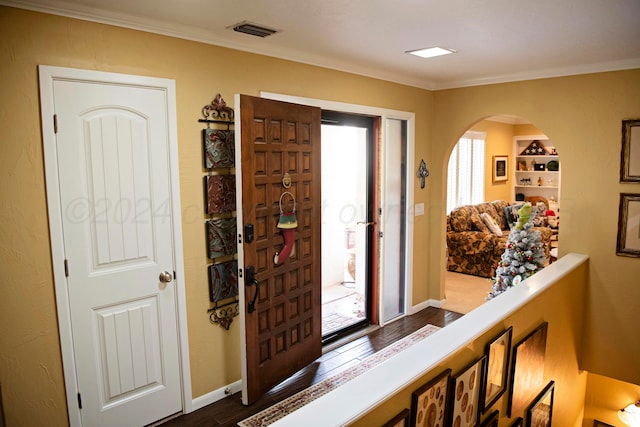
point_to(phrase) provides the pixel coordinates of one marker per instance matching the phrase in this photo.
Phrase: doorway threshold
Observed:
(348, 338)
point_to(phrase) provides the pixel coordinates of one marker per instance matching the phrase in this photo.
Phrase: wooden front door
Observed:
(283, 333)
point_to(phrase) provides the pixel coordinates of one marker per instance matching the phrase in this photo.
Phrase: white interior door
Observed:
(115, 202)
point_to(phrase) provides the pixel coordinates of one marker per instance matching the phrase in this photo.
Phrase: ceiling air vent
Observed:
(253, 29)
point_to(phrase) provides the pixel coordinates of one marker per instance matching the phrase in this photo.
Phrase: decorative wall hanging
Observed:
(536, 148)
(630, 155)
(218, 148)
(423, 172)
(223, 281)
(221, 237)
(220, 193)
(527, 373)
(223, 285)
(287, 222)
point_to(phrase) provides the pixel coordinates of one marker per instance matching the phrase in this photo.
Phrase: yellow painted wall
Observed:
(605, 397)
(582, 115)
(30, 358)
(499, 142)
(561, 306)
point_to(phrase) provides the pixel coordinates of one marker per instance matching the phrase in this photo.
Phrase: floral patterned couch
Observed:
(472, 248)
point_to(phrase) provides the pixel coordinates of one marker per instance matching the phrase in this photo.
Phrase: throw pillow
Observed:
(491, 224)
(478, 224)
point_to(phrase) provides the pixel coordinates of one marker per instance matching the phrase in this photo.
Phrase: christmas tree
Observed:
(523, 256)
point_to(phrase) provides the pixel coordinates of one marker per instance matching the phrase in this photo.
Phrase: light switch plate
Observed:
(419, 209)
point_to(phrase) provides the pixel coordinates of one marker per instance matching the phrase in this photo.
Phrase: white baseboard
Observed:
(212, 397)
(428, 303)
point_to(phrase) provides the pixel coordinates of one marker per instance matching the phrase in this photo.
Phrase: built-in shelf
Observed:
(524, 170)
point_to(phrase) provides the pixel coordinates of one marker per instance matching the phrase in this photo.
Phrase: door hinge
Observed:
(55, 123)
(380, 234)
(66, 268)
(79, 401)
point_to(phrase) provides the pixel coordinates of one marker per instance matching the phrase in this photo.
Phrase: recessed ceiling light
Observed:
(430, 52)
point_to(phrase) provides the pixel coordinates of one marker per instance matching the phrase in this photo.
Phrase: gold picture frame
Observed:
(500, 168)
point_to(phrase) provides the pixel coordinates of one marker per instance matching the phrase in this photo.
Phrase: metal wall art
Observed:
(218, 152)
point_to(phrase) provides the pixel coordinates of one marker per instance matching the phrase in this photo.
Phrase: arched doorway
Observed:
(511, 176)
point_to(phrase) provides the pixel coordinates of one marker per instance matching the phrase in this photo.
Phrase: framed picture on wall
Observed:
(629, 225)
(630, 156)
(466, 386)
(527, 369)
(491, 420)
(540, 412)
(430, 403)
(500, 168)
(497, 352)
(400, 420)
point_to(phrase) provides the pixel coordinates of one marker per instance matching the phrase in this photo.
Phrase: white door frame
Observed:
(408, 214)
(47, 76)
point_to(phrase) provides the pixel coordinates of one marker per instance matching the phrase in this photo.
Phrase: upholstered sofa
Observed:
(472, 247)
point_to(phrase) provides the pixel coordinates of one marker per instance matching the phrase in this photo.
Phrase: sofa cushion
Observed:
(477, 224)
(491, 224)
(461, 218)
(499, 206)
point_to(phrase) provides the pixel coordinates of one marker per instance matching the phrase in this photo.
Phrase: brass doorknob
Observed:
(166, 277)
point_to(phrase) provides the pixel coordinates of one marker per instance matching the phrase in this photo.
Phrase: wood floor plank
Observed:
(230, 410)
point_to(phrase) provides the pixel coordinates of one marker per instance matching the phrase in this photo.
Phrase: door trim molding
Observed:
(384, 114)
(47, 76)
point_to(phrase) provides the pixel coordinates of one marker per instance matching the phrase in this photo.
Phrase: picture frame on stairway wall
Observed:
(466, 386)
(497, 352)
(527, 369)
(430, 402)
(628, 243)
(630, 154)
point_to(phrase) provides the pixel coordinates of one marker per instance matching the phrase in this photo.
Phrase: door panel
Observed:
(115, 193)
(283, 334)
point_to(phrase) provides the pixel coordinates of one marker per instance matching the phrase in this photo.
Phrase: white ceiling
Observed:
(496, 40)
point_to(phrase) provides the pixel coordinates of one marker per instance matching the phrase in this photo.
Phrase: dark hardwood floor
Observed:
(229, 411)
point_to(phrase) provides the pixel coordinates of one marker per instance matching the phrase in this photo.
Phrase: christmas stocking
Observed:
(288, 223)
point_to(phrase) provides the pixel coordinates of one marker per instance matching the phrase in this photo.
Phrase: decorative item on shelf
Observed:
(522, 165)
(536, 148)
(630, 414)
(423, 172)
(539, 181)
(539, 167)
(532, 165)
(553, 166)
(520, 197)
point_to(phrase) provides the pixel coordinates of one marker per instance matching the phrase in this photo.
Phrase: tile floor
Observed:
(342, 306)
